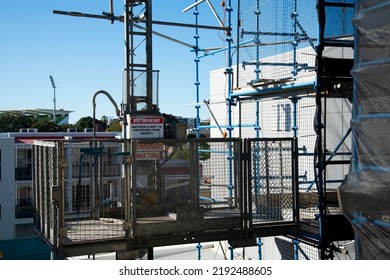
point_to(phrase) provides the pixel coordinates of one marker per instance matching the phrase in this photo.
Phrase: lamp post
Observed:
(54, 99)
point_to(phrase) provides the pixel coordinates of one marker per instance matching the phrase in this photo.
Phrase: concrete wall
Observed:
(7, 188)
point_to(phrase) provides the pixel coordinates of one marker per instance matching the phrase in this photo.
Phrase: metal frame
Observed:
(291, 179)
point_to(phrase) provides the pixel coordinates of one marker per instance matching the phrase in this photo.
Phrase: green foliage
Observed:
(115, 126)
(10, 122)
(183, 152)
(169, 119)
(202, 146)
(46, 126)
(85, 122)
(204, 155)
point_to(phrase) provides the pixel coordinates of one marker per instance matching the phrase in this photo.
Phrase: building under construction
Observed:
(297, 161)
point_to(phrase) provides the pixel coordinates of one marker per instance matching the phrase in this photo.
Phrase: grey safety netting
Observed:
(277, 39)
(365, 194)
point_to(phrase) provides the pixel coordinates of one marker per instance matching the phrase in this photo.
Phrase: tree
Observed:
(46, 126)
(202, 146)
(169, 119)
(84, 122)
(183, 152)
(114, 126)
(87, 122)
(13, 122)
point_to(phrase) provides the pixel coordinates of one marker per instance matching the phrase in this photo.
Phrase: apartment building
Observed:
(17, 236)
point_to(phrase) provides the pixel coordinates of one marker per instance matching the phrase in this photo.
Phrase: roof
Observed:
(37, 112)
(30, 137)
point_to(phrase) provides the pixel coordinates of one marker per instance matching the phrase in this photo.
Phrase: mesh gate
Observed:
(78, 190)
(273, 181)
(185, 186)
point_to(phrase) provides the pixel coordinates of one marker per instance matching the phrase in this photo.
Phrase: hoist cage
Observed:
(120, 195)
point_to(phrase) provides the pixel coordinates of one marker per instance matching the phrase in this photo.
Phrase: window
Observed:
(24, 207)
(23, 169)
(24, 230)
(284, 117)
(0, 165)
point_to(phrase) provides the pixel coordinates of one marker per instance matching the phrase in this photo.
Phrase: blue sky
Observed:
(85, 55)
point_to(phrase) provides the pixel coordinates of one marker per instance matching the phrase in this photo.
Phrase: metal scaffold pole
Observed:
(197, 86)
(197, 83)
(229, 69)
(318, 126)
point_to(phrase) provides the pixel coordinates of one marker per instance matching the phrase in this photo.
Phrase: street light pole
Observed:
(54, 99)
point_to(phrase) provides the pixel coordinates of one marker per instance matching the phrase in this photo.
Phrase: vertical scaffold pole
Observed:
(257, 127)
(257, 40)
(238, 42)
(294, 128)
(231, 250)
(229, 69)
(197, 83)
(259, 248)
(296, 249)
(294, 16)
(197, 87)
(199, 248)
(229, 73)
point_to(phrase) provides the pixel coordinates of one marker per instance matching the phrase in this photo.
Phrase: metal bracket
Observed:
(62, 232)
(62, 162)
(128, 160)
(56, 194)
(127, 226)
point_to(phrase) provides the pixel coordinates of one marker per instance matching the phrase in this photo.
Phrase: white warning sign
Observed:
(146, 127)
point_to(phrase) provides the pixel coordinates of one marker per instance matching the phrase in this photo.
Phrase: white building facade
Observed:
(18, 239)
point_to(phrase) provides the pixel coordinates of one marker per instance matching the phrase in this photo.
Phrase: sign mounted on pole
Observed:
(142, 126)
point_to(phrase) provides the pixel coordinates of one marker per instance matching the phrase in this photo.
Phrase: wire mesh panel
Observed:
(273, 180)
(276, 39)
(271, 118)
(185, 186)
(284, 248)
(44, 178)
(275, 118)
(78, 190)
(308, 191)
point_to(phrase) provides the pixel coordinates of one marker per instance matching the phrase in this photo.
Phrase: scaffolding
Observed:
(286, 65)
(288, 62)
